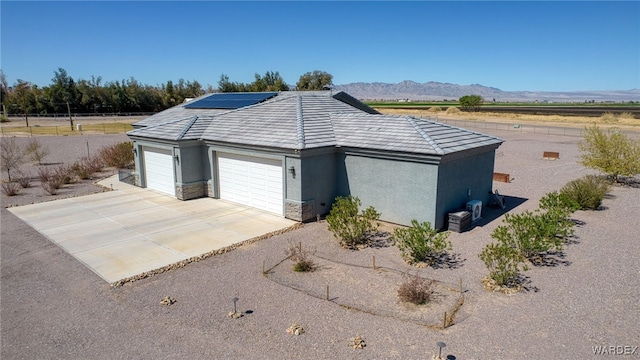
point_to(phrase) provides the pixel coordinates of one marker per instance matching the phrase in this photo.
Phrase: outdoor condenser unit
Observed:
(475, 208)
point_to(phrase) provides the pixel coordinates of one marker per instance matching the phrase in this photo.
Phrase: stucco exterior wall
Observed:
(318, 187)
(400, 190)
(463, 179)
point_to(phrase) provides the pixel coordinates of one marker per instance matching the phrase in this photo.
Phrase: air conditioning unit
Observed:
(475, 208)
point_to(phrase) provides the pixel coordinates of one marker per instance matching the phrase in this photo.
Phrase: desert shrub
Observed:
(50, 187)
(503, 263)
(608, 117)
(300, 257)
(612, 152)
(556, 216)
(421, 242)
(531, 234)
(434, 109)
(23, 178)
(416, 290)
(63, 174)
(48, 180)
(452, 110)
(36, 151)
(86, 167)
(10, 188)
(119, 155)
(347, 225)
(626, 116)
(586, 193)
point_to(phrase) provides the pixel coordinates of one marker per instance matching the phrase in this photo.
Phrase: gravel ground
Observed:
(53, 307)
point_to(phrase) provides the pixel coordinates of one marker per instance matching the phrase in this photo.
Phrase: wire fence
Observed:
(348, 285)
(65, 130)
(524, 128)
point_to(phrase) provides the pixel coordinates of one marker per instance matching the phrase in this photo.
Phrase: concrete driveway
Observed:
(128, 231)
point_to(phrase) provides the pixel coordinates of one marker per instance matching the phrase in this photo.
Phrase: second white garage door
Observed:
(251, 181)
(158, 165)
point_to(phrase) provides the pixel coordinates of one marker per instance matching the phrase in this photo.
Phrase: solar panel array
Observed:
(230, 100)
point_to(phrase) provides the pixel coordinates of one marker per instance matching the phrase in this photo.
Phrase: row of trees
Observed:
(65, 94)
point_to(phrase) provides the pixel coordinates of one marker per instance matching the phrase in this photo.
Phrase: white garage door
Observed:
(158, 165)
(251, 181)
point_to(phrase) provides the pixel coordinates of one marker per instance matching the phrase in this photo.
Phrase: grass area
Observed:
(66, 130)
(606, 120)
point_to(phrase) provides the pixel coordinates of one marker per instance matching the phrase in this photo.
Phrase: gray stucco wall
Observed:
(463, 179)
(400, 190)
(318, 186)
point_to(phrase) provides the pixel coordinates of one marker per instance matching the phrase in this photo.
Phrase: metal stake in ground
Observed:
(235, 300)
(440, 346)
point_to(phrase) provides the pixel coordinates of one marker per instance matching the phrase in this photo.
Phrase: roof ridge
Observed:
(193, 120)
(455, 127)
(433, 143)
(300, 124)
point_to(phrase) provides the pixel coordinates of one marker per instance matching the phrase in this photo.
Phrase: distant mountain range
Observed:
(410, 90)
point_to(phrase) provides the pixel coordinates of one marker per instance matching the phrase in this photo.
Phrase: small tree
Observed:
(316, 80)
(11, 154)
(36, 151)
(611, 152)
(347, 225)
(421, 242)
(471, 102)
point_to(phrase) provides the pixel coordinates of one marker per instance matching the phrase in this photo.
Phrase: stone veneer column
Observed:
(190, 191)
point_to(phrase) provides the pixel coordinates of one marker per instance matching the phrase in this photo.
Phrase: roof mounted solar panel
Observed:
(230, 100)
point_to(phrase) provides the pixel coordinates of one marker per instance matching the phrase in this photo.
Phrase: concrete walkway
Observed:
(125, 232)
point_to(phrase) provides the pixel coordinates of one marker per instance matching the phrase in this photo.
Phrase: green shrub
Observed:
(421, 242)
(416, 290)
(345, 223)
(503, 263)
(586, 193)
(119, 155)
(531, 234)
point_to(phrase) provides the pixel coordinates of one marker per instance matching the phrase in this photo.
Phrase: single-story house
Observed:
(292, 153)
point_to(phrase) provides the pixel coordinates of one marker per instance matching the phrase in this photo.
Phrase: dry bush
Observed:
(86, 167)
(50, 186)
(434, 109)
(63, 174)
(609, 117)
(48, 180)
(119, 155)
(300, 258)
(626, 116)
(36, 151)
(23, 178)
(452, 110)
(10, 188)
(416, 290)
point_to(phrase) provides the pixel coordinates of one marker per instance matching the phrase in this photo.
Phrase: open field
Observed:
(54, 307)
(624, 123)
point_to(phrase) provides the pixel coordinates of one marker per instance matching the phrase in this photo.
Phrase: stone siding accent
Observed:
(190, 191)
(208, 189)
(299, 211)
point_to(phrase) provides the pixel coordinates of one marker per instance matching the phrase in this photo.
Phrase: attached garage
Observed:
(251, 181)
(158, 170)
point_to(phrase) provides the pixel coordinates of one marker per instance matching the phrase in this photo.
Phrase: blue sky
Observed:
(518, 45)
